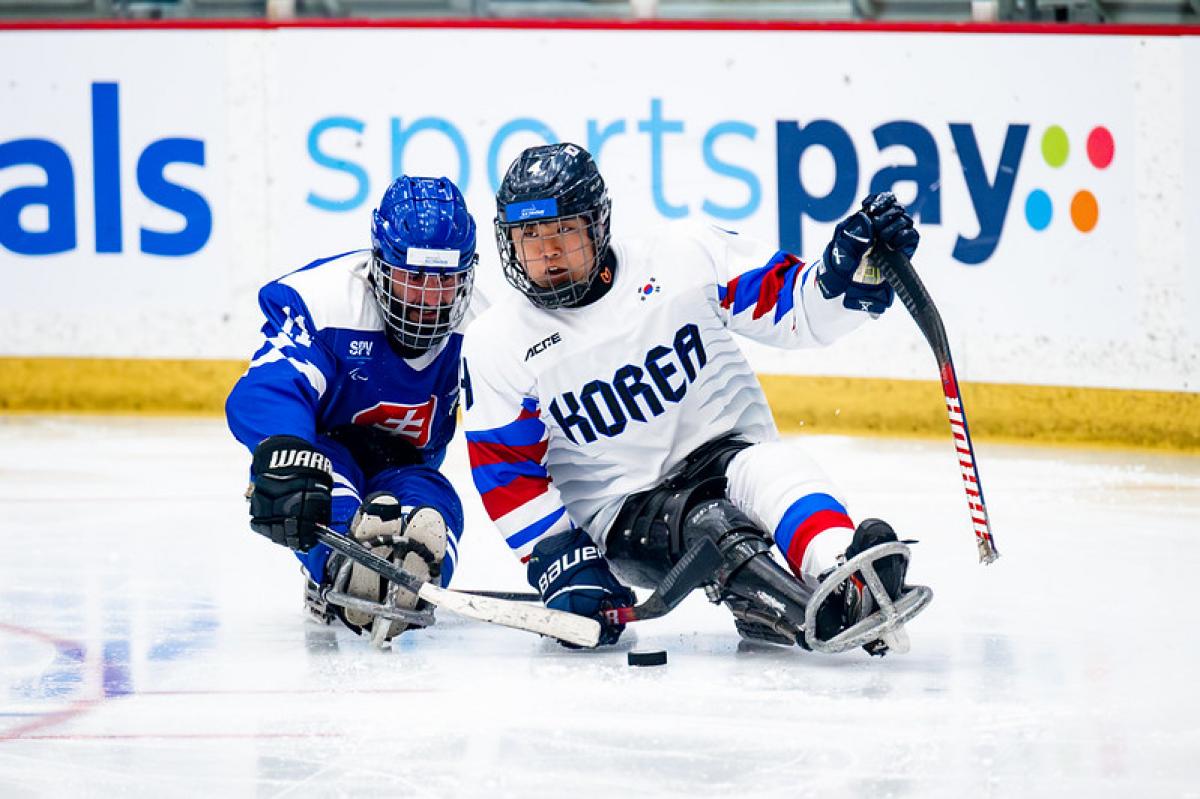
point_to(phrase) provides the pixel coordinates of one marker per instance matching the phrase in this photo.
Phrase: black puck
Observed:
(648, 657)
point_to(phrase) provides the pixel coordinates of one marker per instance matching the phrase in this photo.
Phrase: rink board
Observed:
(1168, 420)
(141, 208)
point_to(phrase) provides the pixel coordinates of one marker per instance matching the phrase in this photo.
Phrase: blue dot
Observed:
(1038, 209)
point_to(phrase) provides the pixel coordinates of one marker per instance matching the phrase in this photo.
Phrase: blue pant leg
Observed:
(423, 485)
(347, 496)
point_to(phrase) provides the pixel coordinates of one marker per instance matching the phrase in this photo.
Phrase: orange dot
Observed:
(1084, 211)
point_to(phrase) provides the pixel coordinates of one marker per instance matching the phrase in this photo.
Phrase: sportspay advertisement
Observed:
(1019, 167)
(1022, 187)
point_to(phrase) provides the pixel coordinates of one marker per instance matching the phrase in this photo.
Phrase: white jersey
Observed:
(569, 411)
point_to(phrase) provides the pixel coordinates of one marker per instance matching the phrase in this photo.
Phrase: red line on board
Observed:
(840, 26)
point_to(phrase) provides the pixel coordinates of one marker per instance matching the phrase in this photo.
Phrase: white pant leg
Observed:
(784, 491)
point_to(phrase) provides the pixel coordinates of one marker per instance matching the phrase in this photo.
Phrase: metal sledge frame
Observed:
(336, 595)
(891, 616)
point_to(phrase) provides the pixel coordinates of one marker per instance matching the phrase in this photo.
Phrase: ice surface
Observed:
(151, 645)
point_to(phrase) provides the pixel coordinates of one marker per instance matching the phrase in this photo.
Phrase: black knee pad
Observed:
(647, 538)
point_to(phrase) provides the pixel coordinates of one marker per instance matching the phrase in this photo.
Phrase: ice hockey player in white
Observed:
(611, 418)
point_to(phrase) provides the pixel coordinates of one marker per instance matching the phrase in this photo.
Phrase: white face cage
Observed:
(421, 306)
(555, 269)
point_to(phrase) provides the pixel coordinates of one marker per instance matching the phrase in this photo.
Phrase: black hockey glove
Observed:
(571, 575)
(291, 492)
(881, 219)
(891, 222)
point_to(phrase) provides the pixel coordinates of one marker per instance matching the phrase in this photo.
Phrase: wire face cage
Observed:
(423, 301)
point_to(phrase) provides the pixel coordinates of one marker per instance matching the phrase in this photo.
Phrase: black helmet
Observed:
(553, 182)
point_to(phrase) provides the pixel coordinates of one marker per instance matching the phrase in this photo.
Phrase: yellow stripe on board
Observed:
(104, 385)
(1040, 414)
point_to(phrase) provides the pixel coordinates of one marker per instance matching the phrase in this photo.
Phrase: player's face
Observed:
(425, 297)
(555, 253)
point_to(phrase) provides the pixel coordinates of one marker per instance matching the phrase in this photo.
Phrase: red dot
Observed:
(1100, 147)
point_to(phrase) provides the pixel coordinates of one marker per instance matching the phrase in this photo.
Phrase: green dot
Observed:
(1055, 146)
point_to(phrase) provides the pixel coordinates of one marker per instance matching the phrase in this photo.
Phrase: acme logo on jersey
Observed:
(541, 346)
(414, 422)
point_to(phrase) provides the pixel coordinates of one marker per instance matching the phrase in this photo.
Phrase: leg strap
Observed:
(646, 538)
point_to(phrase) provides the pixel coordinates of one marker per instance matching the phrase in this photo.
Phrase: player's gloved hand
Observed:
(842, 272)
(893, 226)
(291, 493)
(571, 574)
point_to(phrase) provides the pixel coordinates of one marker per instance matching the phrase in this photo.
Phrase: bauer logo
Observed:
(411, 421)
(564, 564)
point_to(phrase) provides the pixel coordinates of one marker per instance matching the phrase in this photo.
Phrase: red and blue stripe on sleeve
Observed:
(767, 288)
(506, 465)
(804, 519)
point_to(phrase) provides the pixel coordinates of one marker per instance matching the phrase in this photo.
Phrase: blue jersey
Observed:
(326, 362)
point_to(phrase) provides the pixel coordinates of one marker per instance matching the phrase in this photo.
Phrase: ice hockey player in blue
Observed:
(350, 402)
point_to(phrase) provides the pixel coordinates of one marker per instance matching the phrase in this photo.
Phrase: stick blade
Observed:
(987, 550)
(578, 630)
(696, 565)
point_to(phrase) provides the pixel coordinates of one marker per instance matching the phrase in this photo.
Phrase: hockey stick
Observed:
(912, 292)
(696, 566)
(511, 596)
(578, 630)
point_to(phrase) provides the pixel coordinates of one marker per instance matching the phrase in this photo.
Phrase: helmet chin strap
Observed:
(403, 350)
(602, 279)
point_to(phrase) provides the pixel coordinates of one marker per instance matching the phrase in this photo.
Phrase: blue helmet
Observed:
(423, 260)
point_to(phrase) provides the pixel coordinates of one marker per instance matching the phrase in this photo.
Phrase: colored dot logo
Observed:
(648, 289)
(1056, 151)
